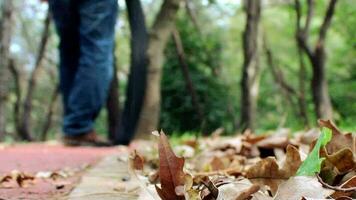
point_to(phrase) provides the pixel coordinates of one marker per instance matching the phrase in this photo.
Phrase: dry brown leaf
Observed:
(348, 184)
(343, 160)
(5, 179)
(171, 173)
(239, 189)
(268, 172)
(274, 142)
(137, 161)
(246, 194)
(217, 164)
(338, 140)
(302, 186)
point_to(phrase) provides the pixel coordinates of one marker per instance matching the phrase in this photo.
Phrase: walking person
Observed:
(86, 32)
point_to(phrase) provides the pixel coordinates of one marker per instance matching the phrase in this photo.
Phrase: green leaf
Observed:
(312, 163)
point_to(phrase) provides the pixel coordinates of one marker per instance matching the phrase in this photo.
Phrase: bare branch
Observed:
(192, 16)
(25, 120)
(49, 115)
(185, 70)
(327, 21)
(309, 16)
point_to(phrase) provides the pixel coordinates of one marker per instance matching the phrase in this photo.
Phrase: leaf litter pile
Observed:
(317, 164)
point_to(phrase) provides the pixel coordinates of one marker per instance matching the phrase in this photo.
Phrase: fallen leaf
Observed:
(217, 164)
(240, 189)
(246, 194)
(339, 140)
(171, 173)
(348, 184)
(5, 179)
(268, 172)
(302, 186)
(21, 178)
(343, 160)
(137, 161)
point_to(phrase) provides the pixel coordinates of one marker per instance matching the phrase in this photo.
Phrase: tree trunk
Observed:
(317, 57)
(319, 86)
(24, 128)
(6, 25)
(48, 120)
(158, 38)
(250, 68)
(113, 105)
(135, 91)
(286, 89)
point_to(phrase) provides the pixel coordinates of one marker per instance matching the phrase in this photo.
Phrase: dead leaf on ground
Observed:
(343, 160)
(302, 186)
(16, 178)
(338, 140)
(348, 184)
(137, 161)
(268, 172)
(171, 173)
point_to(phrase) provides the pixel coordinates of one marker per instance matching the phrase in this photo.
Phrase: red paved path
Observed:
(32, 158)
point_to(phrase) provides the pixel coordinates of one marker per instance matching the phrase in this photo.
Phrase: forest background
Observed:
(202, 78)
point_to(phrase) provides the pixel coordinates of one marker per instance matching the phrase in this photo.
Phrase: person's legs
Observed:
(66, 17)
(90, 87)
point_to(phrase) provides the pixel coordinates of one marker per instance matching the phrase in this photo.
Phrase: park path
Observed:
(34, 158)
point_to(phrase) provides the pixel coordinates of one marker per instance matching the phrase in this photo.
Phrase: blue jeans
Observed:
(86, 32)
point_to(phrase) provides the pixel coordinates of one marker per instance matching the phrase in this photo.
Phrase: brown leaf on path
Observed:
(137, 161)
(21, 178)
(338, 140)
(268, 172)
(348, 184)
(298, 187)
(4, 180)
(171, 173)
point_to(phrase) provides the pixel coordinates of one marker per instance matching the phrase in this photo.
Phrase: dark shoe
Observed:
(88, 139)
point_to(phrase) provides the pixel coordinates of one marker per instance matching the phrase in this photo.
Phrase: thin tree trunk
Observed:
(188, 81)
(317, 57)
(135, 91)
(113, 105)
(6, 25)
(192, 16)
(48, 120)
(320, 87)
(250, 68)
(17, 87)
(24, 128)
(302, 69)
(301, 96)
(287, 90)
(159, 35)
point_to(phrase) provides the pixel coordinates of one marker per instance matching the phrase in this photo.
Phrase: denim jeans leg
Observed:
(95, 70)
(66, 18)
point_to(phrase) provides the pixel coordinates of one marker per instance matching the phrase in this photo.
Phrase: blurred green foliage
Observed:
(203, 56)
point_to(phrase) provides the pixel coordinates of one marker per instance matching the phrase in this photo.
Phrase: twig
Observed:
(336, 188)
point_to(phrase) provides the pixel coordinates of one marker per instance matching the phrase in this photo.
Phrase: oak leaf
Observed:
(348, 184)
(339, 140)
(268, 172)
(298, 187)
